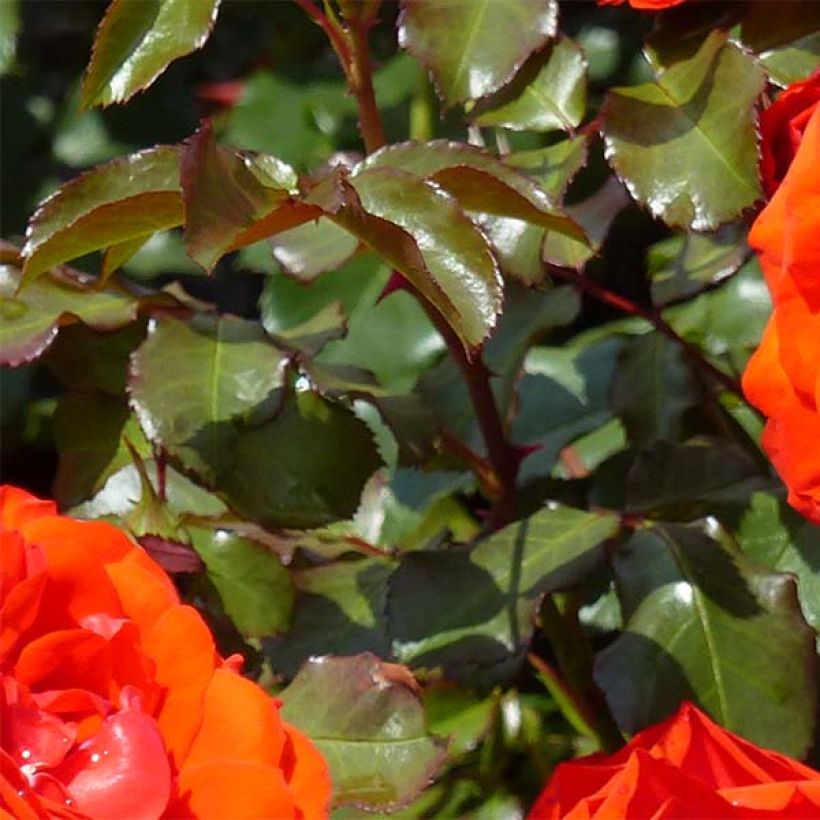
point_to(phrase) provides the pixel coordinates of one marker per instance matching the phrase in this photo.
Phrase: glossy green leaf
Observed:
(230, 201)
(420, 230)
(505, 575)
(313, 248)
(369, 726)
(521, 245)
(120, 201)
(136, 41)
(255, 589)
(684, 265)
(190, 376)
(31, 317)
(653, 388)
(548, 94)
(705, 624)
(481, 183)
(472, 49)
(339, 611)
(311, 336)
(771, 533)
(90, 430)
(685, 145)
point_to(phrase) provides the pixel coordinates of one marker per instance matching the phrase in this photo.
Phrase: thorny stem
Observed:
(354, 54)
(503, 456)
(655, 318)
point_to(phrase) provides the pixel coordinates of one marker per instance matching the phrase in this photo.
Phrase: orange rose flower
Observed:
(686, 766)
(114, 702)
(647, 5)
(783, 377)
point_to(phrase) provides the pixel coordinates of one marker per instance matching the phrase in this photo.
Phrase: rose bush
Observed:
(114, 701)
(782, 377)
(686, 766)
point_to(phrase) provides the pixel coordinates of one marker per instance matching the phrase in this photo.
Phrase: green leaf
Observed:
(684, 265)
(462, 716)
(231, 202)
(522, 246)
(31, 318)
(84, 359)
(255, 589)
(771, 533)
(188, 376)
(472, 49)
(685, 144)
(548, 94)
(90, 431)
(415, 344)
(505, 576)
(653, 388)
(707, 625)
(563, 394)
(286, 472)
(313, 248)
(369, 726)
(121, 493)
(481, 183)
(727, 322)
(122, 200)
(687, 479)
(339, 611)
(136, 41)
(788, 43)
(420, 230)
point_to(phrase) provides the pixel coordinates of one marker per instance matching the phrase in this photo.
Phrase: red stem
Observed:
(655, 318)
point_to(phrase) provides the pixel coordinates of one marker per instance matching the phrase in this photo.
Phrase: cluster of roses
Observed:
(114, 702)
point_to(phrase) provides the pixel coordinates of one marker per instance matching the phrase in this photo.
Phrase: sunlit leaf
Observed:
(230, 202)
(136, 41)
(422, 232)
(472, 49)
(188, 377)
(338, 611)
(255, 589)
(369, 725)
(313, 248)
(117, 202)
(705, 624)
(548, 94)
(505, 575)
(685, 145)
(32, 317)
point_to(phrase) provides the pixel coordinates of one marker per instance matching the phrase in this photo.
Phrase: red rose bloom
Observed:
(783, 377)
(647, 5)
(685, 767)
(113, 700)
